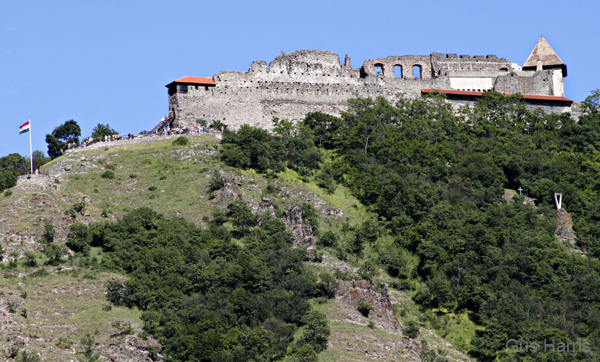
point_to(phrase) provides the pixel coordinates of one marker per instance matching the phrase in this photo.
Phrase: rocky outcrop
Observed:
(267, 207)
(303, 233)
(230, 191)
(564, 227)
(355, 292)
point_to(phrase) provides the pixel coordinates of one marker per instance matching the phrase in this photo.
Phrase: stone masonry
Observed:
(304, 81)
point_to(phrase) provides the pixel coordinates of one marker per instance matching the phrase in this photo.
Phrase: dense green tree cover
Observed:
(57, 140)
(207, 296)
(435, 177)
(13, 165)
(251, 147)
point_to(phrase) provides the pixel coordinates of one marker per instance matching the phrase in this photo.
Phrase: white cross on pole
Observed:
(519, 189)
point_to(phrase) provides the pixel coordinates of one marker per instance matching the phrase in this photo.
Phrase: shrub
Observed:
(12, 306)
(152, 188)
(108, 174)
(117, 292)
(7, 193)
(132, 175)
(329, 239)
(76, 208)
(325, 179)
(411, 330)
(309, 213)
(54, 252)
(364, 309)
(49, 232)
(39, 273)
(30, 260)
(181, 141)
(202, 122)
(216, 182)
(78, 239)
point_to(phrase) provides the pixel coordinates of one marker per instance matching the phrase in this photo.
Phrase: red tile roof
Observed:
(533, 97)
(193, 80)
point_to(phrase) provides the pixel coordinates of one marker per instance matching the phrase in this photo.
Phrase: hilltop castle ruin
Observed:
(304, 81)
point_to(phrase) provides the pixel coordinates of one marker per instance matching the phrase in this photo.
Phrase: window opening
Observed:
(378, 68)
(183, 88)
(417, 71)
(397, 71)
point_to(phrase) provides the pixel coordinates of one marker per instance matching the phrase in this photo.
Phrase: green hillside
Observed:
(176, 181)
(423, 250)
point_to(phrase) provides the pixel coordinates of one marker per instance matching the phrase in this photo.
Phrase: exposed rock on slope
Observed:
(229, 192)
(303, 233)
(564, 227)
(354, 292)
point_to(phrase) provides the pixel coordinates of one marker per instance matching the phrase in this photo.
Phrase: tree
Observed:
(54, 251)
(57, 141)
(10, 168)
(592, 102)
(102, 130)
(241, 216)
(49, 232)
(317, 331)
(39, 159)
(324, 127)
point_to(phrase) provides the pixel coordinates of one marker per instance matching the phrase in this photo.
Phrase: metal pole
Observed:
(30, 151)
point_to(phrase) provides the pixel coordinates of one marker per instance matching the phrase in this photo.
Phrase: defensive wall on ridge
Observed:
(304, 81)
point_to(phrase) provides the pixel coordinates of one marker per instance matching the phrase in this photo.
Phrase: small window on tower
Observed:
(183, 88)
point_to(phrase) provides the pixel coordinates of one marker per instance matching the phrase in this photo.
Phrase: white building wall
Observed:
(472, 84)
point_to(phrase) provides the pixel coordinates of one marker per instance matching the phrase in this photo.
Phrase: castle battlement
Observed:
(304, 81)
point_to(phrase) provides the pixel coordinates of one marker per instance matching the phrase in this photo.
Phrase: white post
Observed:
(558, 201)
(30, 150)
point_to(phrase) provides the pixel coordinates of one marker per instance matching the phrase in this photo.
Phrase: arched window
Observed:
(397, 71)
(504, 69)
(377, 69)
(417, 71)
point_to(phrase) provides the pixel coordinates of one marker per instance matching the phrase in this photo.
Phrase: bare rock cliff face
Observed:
(267, 207)
(229, 192)
(356, 291)
(303, 233)
(564, 227)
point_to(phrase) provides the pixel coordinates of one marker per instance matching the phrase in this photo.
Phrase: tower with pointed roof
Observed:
(544, 57)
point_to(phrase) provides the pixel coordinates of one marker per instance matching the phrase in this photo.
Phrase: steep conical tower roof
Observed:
(544, 53)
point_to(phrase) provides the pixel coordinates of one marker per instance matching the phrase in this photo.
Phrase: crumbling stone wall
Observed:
(304, 81)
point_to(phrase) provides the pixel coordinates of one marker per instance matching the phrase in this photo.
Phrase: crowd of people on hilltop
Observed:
(119, 136)
(107, 138)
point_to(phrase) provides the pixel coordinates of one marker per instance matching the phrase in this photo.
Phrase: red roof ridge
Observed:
(480, 94)
(194, 80)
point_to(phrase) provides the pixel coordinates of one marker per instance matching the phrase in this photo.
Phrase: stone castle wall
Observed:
(304, 81)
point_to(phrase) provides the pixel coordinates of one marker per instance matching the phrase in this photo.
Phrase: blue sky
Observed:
(108, 61)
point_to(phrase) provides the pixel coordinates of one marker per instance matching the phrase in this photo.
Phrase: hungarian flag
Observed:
(24, 128)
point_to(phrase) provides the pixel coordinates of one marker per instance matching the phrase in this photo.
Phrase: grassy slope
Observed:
(181, 176)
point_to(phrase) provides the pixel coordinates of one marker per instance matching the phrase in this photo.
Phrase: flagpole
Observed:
(30, 152)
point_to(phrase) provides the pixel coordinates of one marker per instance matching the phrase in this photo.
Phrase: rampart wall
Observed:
(304, 81)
